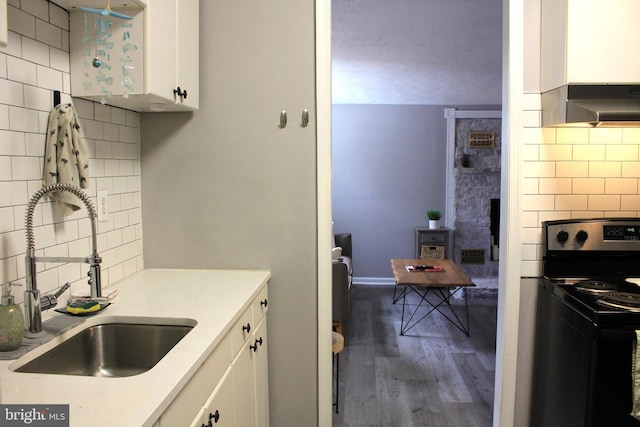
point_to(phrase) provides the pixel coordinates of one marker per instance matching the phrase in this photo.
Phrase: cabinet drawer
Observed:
(217, 363)
(433, 237)
(241, 330)
(260, 305)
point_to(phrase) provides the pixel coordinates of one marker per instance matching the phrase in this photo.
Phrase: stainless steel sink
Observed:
(109, 350)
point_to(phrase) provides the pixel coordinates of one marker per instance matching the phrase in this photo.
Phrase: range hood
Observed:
(591, 105)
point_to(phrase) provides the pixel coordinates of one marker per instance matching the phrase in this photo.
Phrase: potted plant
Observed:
(434, 218)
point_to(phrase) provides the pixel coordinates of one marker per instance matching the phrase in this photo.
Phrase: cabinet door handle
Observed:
(305, 118)
(264, 303)
(180, 93)
(215, 417)
(254, 347)
(283, 119)
(247, 328)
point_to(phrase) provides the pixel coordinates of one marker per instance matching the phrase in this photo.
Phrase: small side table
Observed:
(436, 238)
(337, 344)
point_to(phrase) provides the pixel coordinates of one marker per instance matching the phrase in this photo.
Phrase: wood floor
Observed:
(433, 376)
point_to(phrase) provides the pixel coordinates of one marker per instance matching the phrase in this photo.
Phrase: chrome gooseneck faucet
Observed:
(33, 305)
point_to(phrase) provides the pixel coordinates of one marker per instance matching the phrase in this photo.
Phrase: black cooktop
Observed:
(603, 300)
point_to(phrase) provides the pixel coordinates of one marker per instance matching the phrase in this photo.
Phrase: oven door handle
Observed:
(618, 334)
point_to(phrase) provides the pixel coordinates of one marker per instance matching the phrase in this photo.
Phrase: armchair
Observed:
(341, 281)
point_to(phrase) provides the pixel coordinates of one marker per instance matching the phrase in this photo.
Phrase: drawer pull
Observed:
(264, 303)
(247, 328)
(215, 417)
(254, 347)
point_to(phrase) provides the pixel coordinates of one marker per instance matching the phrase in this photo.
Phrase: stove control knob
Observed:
(582, 236)
(562, 236)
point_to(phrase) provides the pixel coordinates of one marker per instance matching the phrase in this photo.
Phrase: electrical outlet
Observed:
(103, 207)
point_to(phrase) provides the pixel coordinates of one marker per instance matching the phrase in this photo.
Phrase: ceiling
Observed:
(426, 52)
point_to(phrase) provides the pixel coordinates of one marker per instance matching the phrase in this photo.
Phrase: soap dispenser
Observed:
(11, 321)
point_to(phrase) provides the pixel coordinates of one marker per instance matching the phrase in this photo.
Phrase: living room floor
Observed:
(434, 375)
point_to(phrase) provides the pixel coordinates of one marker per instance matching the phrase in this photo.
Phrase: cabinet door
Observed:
(261, 368)
(219, 407)
(244, 386)
(187, 54)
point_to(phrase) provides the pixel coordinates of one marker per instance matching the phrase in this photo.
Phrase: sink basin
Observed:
(109, 350)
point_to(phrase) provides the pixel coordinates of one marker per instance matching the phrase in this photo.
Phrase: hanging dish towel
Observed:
(65, 157)
(635, 376)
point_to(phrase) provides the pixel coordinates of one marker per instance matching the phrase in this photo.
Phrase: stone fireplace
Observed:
(477, 195)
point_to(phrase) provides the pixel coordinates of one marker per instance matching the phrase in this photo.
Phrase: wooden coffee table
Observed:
(434, 287)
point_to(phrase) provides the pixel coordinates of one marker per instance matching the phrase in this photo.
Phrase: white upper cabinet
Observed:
(589, 41)
(148, 63)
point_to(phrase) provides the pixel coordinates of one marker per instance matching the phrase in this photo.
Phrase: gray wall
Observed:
(388, 169)
(224, 187)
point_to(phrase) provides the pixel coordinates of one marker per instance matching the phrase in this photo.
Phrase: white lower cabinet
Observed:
(218, 409)
(231, 388)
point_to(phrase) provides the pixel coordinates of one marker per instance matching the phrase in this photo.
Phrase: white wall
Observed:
(34, 63)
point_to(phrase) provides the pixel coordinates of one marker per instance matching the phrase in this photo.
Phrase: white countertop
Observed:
(213, 298)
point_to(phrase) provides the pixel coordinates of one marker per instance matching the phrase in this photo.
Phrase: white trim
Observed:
(451, 114)
(374, 281)
(323, 176)
(504, 402)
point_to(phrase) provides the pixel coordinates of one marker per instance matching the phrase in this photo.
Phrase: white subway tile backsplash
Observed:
(588, 185)
(7, 220)
(554, 186)
(577, 169)
(21, 71)
(605, 169)
(35, 144)
(92, 129)
(103, 150)
(555, 152)
(631, 136)
(23, 119)
(49, 34)
(4, 116)
(59, 59)
(13, 243)
(21, 22)
(24, 168)
(5, 169)
(102, 112)
(58, 16)
(622, 152)
(630, 203)
(3, 66)
(621, 186)
(570, 202)
(604, 202)
(605, 136)
(119, 150)
(111, 168)
(35, 51)
(538, 169)
(36, 98)
(572, 136)
(631, 169)
(535, 202)
(589, 152)
(14, 45)
(13, 143)
(37, 8)
(49, 78)
(11, 93)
